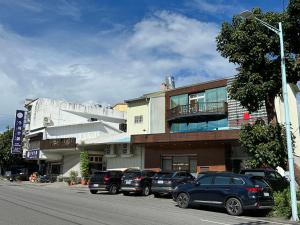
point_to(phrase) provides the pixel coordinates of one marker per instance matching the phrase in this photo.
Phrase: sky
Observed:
(107, 51)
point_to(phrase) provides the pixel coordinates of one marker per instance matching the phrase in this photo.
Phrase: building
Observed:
(56, 131)
(200, 131)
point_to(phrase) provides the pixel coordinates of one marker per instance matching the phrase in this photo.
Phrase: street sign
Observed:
(33, 154)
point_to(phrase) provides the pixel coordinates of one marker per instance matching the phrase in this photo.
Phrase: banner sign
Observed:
(16, 147)
(33, 154)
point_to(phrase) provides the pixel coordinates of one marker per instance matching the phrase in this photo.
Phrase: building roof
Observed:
(109, 139)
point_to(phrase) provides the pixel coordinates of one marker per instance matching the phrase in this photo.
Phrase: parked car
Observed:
(163, 183)
(276, 181)
(106, 181)
(235, 192)
(17, 173)
(138, 181)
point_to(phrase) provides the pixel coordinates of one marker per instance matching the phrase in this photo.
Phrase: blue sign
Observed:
(33, 154)
(16, 147)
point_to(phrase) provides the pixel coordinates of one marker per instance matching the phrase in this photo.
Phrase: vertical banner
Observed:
(16, 147)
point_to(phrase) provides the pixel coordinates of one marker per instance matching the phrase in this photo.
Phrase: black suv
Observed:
(106, 181)
(276, 181)
(234, 192)
(163, 183)
(138, 181)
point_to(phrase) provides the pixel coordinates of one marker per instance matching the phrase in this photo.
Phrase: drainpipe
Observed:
(149, 115)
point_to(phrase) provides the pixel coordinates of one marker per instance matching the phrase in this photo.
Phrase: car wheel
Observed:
(113, 189)
(93, 191)
(146, 191)
(126, 193)
(156, 195)
(234, 207)
(183, 200)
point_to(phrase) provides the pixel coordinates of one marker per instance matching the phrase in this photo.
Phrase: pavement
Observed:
(59, 204)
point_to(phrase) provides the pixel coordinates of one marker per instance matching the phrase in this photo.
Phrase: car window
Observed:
(278, 176)
(180, 175)
(222, 180)
(205, 180)
(237, 180)
(163, 175)
(257, 181)
(272, 176)
(132, 174)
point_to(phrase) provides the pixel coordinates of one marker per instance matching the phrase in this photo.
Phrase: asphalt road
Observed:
(29, 204)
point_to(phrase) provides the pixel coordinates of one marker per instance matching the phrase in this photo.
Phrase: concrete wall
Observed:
(137, 160)
(279, 106)
(157, 114)
(62, 113)
(138, 108)
(71, 162)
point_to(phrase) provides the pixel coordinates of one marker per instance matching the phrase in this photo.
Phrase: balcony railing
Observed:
(197, 112)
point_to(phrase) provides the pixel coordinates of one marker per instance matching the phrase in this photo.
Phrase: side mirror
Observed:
(197, 183)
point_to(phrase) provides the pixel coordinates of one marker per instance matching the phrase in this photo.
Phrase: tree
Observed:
(265, 143)
(255, 50)
(84, 164)
(6, 158)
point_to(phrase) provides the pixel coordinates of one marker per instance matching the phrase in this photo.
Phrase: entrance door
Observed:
(197, 102)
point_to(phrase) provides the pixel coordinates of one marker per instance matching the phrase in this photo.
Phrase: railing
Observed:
(198, 109)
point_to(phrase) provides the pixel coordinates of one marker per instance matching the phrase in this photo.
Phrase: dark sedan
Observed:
(163, 183)
(233, 191)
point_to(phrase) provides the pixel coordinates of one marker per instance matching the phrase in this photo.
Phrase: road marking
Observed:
(215, 222)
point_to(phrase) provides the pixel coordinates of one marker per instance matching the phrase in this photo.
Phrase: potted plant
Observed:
(84, 166)
(73, 177)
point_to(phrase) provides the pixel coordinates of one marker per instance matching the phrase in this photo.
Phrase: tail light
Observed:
(106, 179)
(254, 189)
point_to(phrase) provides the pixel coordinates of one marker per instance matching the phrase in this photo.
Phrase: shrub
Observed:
(73, 176)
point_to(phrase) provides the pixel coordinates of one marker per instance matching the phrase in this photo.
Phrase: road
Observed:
(30, 204)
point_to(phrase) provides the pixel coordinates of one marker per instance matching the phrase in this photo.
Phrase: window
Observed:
(207, 180)
(107, 149)
(179, 163)
(123, 127)
(222, 180)
(124, 148)
(237, 180)
(179, 100)
(138, 119)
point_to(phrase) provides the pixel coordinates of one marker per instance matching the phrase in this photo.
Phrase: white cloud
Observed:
(125, 65)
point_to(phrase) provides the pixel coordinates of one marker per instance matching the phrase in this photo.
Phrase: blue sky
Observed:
(105, 51)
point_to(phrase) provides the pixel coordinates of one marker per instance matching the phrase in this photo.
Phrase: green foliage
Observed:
(282, 207)
(84, 164)
(265, 143)
(73, 175)
(6, 158)
(255, 50)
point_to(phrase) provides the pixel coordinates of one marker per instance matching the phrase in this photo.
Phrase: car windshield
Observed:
(132, 174)
(163, 175)
(258, 181)
(100, 174)
(255, 173)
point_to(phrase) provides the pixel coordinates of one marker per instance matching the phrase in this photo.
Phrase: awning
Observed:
(109, 139)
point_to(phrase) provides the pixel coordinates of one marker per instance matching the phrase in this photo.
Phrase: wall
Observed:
(157, 114)
(121, 107)
(212, 155)
(138, 108)
(137, 160)
(71, 162)
(279, 106)
(62, 113)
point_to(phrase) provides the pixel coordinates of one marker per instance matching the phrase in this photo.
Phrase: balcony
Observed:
(199, 112)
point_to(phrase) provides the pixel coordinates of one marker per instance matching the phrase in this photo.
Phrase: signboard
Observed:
(16, 147)
(33, 154)
(58, 143)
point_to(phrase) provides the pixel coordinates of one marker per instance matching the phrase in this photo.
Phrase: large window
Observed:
(138, 119)
(179, 163)
(179, 100)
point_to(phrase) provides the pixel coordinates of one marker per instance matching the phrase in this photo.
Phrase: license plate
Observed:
(266, 194)
(96, 185)
(160, 182)
(128, 181)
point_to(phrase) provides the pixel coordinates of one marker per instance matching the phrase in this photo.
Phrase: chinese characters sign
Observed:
(33, 154)
(16, 147)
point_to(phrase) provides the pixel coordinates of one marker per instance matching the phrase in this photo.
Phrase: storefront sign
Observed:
(33, 154)
(18, 132)
(58, 143)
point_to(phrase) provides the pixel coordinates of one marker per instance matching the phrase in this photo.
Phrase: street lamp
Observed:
(250, 15)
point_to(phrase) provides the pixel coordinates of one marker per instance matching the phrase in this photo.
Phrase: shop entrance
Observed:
(179, 163)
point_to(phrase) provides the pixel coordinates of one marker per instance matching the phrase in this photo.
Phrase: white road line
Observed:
(215, 222)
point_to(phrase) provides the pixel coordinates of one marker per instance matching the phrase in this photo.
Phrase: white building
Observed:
(56, 131)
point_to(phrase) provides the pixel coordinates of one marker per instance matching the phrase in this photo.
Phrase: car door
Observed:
(220, 189)
(199, 192)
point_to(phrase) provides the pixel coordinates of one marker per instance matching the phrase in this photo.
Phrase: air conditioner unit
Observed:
(109, 151)
(47, 121)
(127, 150)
